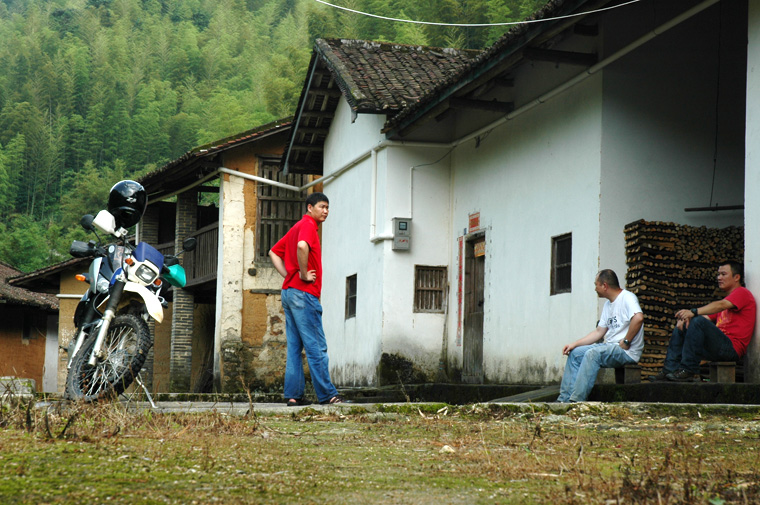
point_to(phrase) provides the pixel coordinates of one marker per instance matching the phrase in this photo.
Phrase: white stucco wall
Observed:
(532, 179)
(659, 123)
(415, 188)
(355, 344)
(752, 170)
(385, 321)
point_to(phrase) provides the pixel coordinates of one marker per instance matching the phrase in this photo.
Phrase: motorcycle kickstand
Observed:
(138, 379)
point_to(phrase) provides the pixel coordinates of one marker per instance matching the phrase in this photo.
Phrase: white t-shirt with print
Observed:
(616, 317)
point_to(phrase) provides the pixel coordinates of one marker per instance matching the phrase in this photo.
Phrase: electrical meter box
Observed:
(402, 233)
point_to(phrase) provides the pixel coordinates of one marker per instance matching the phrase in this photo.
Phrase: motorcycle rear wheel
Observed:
(126, 347)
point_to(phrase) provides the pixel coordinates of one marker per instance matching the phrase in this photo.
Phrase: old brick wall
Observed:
(23, 352)
(184, 302)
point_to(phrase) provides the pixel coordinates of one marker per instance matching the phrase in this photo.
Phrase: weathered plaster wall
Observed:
(230, 294)
(252, 321)
(752, 183)
(531, 179)
(354, 344)
(413, 187)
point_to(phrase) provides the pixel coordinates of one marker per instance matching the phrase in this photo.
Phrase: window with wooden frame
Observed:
(562, 261)
(429, 288)
(351, 296)
(278, 209)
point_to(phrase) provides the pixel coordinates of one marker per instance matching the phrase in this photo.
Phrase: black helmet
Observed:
(127, 201)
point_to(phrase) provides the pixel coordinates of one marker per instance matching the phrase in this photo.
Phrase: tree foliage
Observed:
(95, 90)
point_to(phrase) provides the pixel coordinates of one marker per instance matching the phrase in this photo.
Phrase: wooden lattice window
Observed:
(429, 288)
(278, 208)
(351, 296)
(562, 262)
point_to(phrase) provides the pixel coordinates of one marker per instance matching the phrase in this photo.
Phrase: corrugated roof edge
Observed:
(221, 144)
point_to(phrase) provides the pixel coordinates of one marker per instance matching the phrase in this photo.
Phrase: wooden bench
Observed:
(723, 371)
(628, 374)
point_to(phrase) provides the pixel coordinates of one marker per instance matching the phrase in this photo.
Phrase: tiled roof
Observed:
(190, 166)
(510, 42)
(14, 295)
(374, 78)
(378, 77)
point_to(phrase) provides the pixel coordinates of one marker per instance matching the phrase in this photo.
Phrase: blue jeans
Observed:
(582, 367)
(702, 340)
(303, 329)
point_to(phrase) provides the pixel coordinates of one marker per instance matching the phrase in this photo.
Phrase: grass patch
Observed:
(431, 455)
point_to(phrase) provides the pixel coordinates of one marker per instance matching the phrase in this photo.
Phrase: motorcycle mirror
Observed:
(189, 244)
(86, 222)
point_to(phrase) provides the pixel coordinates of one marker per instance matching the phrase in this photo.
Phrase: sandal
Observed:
(335, 399)
(297, 402)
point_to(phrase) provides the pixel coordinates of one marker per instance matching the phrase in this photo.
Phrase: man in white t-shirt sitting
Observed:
(621, 326)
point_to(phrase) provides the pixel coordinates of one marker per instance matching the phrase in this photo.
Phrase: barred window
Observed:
(351, 296)
(278, 208)
(429, 288)
(562, 260)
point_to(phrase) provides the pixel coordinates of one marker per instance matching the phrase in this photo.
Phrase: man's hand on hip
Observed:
(310, 276)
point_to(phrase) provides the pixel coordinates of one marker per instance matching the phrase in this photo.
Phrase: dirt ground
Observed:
(409, 453)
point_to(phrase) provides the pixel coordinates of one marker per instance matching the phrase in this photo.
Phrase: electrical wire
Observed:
(476, 25)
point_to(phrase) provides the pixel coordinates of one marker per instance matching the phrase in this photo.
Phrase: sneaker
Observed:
(660, 377)
(684, 375)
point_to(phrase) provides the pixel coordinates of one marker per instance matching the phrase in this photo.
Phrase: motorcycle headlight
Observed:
(102, 285)
(145, 274)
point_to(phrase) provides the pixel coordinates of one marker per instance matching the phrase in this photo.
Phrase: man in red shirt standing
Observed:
(298, 258)
(722, 334)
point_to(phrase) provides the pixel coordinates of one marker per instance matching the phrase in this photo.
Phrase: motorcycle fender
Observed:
(155, 309)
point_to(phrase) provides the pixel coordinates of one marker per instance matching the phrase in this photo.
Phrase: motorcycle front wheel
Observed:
(125, 349)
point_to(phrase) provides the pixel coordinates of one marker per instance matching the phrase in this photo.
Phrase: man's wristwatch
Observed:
(695, 312)
(627, 342)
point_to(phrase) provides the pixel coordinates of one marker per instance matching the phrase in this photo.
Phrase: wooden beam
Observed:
(300, 168)
(486, 105)
(317, 114)
(312, 129)
(333, 92)
(307, 148)
(553, 56)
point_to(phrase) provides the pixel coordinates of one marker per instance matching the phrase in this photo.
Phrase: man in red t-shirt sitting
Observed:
(722, 334)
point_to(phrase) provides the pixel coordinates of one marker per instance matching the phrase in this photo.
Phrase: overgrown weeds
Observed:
(73, 453)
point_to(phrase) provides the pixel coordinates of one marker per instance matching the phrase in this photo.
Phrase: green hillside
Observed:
(92, 91)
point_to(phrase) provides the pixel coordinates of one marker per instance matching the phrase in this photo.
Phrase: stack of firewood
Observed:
(671, 267)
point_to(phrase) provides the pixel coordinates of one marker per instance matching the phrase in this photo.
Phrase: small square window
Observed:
(351, 296)
(562, 260)
(429, 288)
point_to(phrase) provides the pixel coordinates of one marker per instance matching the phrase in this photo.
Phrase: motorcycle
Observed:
(126, 283)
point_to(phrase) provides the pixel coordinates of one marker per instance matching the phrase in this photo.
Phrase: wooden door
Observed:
(474, 301)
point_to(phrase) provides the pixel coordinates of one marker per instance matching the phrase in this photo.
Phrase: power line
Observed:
(475, 25)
